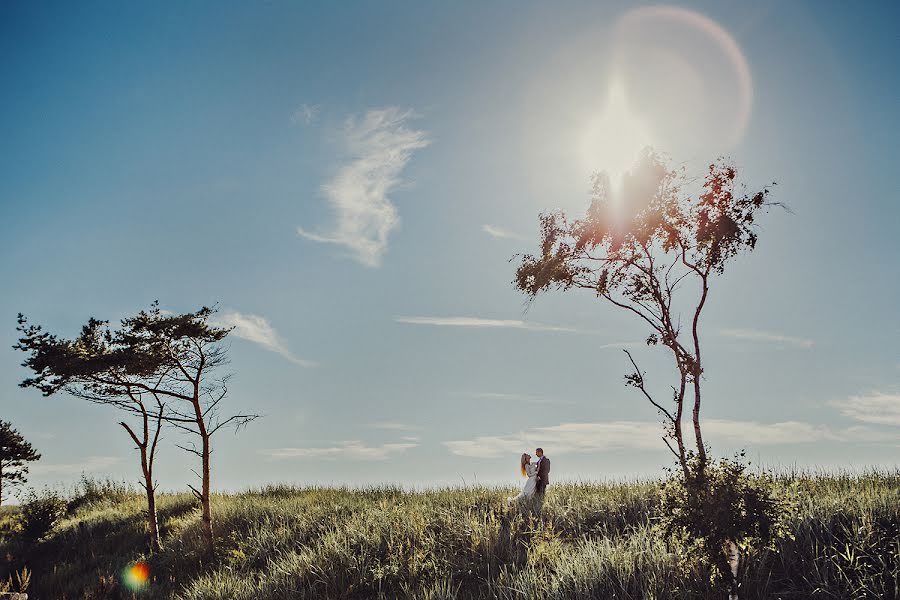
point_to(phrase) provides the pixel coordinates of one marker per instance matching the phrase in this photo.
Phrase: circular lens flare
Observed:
(136, 577)
(690, 69)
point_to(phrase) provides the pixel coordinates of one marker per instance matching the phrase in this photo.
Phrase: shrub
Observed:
(41, 512)
(89, 491)
(720, 504)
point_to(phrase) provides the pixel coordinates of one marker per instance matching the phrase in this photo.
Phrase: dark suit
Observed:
(543, 475)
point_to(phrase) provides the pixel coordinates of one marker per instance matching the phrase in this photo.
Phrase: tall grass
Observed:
(592, 541)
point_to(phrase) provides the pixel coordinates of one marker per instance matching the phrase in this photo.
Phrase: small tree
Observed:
(169, 358)
(653, 249)
(15, 454)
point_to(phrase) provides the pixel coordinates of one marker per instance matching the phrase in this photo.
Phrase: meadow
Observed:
(591, 541)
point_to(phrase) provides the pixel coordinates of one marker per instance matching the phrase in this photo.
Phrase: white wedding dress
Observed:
(527, 492)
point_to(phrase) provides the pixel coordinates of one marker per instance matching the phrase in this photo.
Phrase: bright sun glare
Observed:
(614, 139)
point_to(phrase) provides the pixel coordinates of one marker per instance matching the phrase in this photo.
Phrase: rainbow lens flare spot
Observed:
(136, 576)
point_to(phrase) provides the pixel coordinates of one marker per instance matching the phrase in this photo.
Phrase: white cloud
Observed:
(258, 330)
(754, 335)
(568, 438)
(89, 465)
(513, 397)
(481, 323)
(391, 426)
(878, 408)
(477, 322)
(499, 232)
(756, 433)
(305, 114)
(351, 450)
(381, 145)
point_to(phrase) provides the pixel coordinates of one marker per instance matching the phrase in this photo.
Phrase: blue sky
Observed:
(349, 182)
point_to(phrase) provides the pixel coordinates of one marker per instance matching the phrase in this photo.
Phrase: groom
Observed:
(543, 479)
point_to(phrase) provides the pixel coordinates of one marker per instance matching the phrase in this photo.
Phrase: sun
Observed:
(614, 139)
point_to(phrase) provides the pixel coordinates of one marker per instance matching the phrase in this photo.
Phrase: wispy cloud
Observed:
(645, 435)
(351, 450)
(478, 322)
(306, 114)
(877, 408)
(90, 464)
(380, 145)
(391, 426)
(754, 335)
(499, 232)
(514, 397)
(258, 330)
(563, 439)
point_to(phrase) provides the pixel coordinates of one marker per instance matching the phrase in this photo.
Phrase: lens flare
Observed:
(689, 70)
(136, 577)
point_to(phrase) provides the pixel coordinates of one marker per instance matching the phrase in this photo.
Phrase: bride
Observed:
(530, 471)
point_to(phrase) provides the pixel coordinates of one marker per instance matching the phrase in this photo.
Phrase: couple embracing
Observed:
(538, 474)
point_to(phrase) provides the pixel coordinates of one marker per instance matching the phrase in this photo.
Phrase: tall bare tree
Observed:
(152, 356)
(652, 248)
(15, 454)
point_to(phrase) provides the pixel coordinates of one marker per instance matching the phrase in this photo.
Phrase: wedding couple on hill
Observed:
(538, 474)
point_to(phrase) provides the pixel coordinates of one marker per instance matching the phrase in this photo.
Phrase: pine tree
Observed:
(15, 453)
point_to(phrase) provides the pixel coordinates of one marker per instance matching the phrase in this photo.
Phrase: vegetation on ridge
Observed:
(592, 541)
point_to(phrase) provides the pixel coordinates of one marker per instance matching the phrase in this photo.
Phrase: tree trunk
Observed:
(695, 417)
(152, 522)
(698, 372)
(734, 557)
(205, 497)
(147, 471)
(1, 484)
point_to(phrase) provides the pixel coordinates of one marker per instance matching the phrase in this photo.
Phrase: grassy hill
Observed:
(593, 541)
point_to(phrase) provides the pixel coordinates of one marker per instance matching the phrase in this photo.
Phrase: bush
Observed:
(41, 512)
(719, 504)
(90, 491)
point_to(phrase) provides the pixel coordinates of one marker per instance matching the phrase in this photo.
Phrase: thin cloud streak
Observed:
(499, 232)
(380, 144)
(90, 465)
(876, 408)
(754, 335)
(349, 450)
(258, 330)
(513, 397)
(391, 426)
(480, 323)
(568, 438)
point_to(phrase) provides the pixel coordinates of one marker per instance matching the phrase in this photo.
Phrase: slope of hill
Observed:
(592, 541)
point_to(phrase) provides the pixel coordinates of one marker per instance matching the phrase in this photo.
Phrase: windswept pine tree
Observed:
(157, 366)
(15, 454)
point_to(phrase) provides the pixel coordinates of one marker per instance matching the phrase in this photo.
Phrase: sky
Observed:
(348, 183)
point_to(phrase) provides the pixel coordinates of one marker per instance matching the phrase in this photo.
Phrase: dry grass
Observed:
(593, 541)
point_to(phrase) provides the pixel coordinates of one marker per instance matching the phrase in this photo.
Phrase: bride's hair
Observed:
(522, 462)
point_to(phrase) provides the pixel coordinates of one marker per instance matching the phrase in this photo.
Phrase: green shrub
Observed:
(41, 512)
(90, 491)
(717, 504)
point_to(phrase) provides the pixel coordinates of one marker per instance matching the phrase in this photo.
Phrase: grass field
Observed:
(592, 541)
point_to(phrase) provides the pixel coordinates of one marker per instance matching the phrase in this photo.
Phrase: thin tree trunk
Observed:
(1, 484)
(147, 471)
(734, 557)
(152, 522)
(205, 508)
(205, 497)
(679, 433)
(698, 371)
